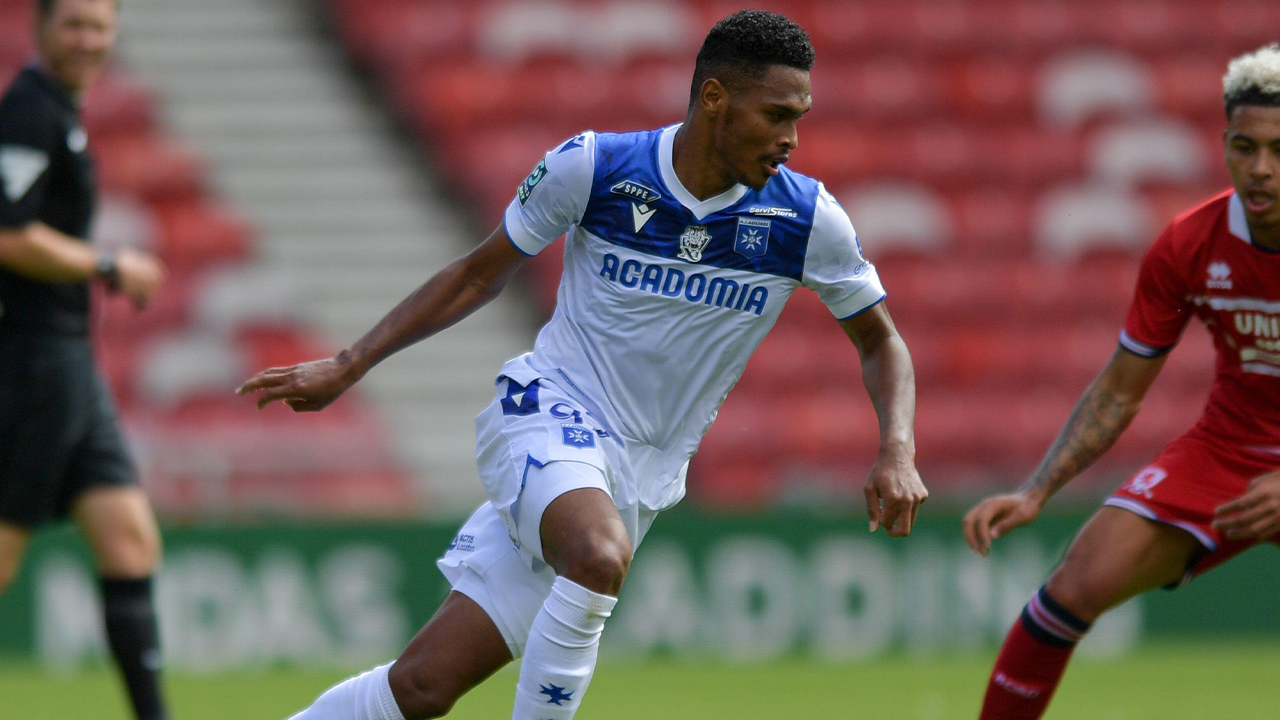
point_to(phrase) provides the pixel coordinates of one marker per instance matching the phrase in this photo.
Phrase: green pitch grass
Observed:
(1167, 682)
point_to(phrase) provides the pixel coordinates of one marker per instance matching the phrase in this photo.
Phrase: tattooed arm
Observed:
(1102, 413)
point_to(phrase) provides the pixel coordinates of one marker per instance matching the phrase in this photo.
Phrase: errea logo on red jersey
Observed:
(1219, 276)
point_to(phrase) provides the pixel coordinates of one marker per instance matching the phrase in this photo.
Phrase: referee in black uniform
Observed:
(61, 451)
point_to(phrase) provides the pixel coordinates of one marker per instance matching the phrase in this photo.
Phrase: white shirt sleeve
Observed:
(833, 264)
(554, 196)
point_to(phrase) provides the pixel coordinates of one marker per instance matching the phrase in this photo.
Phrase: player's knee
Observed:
(1083, 594)
(599, 563)
(132, 552)
(419, 696)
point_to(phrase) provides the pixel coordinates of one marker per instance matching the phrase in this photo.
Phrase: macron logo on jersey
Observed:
(644, 197)
(640, 215)
(694, 287)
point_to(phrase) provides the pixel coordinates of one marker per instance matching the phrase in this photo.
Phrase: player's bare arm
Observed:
(894, 490)
(449, 296)
(1101, 415)
(39, 252)
(1254, 515)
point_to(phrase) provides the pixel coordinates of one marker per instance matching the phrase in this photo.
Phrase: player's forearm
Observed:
(449, 296)
(41, 253)
(889, 377)
(1097, 421)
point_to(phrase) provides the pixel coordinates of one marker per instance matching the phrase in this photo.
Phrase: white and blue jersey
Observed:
(665, 297)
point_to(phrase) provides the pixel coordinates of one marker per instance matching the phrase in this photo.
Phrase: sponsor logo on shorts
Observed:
(463, 542)
(564, 411)
(1143, 482)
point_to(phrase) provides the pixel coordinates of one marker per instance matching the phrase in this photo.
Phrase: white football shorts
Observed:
(533, 444)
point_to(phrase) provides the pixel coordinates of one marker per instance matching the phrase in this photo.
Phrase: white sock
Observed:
(366, 696)
(560, 657)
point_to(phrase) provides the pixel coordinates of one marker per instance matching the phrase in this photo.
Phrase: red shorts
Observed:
(1191, 478)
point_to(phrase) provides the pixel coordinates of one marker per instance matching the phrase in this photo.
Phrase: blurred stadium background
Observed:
(301, 166)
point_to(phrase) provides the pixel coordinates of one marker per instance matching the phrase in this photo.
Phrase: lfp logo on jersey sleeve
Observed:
(752, 238)
(526, 188)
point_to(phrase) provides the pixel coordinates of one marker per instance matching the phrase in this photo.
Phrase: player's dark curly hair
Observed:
(44, 8)
(742, 46)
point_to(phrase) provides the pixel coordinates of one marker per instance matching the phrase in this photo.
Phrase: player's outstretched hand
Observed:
(894, 493)
(308, 387)
(1256, 514)
(994, 517)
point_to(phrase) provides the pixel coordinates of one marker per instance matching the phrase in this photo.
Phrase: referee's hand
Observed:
(308, 387)
(139, 276)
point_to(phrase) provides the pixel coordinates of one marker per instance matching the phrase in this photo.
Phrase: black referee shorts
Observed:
(59, 435)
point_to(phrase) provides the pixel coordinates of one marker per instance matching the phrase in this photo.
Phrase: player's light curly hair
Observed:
(742, 46)
(1253, 79)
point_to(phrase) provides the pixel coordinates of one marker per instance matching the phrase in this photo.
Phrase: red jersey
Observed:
(1205, 264)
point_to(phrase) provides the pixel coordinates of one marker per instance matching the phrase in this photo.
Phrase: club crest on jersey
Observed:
(752, 238)
(1219, 276)
(693, 241)
(526, 188)
(77, 140)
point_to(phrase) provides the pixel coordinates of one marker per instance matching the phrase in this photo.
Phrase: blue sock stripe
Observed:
(1061, 614)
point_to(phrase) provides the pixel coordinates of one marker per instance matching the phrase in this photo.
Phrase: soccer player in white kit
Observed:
(683, 244)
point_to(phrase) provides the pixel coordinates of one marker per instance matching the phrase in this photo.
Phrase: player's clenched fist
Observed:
(1256, 514)
(996, 516)
(894, 493)
(308, 387)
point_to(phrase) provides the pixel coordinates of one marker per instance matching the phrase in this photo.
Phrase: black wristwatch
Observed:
(107, 271)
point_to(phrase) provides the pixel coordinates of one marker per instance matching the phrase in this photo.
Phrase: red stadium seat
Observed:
(147, 167)
(198, 233)
(991, 86)
(1191, 87)
(116, 106)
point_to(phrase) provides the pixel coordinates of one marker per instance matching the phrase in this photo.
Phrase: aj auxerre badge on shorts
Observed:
(578, 436)
(693, 241)
(752, 238)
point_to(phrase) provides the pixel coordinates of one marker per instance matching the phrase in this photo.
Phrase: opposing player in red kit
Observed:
(1215, 491)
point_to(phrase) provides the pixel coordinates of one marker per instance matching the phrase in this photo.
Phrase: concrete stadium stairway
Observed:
(347, 216)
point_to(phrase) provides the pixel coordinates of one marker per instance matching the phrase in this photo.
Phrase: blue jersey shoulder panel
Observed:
(766, 231)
